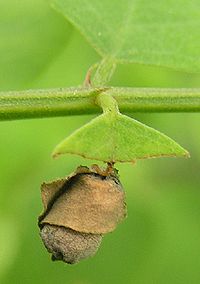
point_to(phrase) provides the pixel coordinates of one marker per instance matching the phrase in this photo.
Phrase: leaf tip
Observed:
(56, 153)
(182, 152)
(186, 154)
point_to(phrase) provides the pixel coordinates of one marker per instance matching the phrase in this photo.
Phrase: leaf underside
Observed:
(156, 32)
(118, 138)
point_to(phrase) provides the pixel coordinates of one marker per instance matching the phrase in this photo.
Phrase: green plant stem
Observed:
(73, 101)
(107, 103)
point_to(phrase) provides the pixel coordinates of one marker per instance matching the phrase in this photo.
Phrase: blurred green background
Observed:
(159, 242)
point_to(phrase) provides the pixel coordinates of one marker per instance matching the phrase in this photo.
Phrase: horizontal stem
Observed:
(47, 103)
(157, 99)
(72, 101)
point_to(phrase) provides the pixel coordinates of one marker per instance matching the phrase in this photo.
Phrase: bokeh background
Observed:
(159, 242)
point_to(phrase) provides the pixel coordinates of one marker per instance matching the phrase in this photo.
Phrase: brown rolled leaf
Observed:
(52, 190)
(85, 202)
(49, 191)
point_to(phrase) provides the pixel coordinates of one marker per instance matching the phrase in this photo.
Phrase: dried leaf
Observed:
(89, 203)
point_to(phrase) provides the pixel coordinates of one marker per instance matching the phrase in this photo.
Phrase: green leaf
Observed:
(149, 32)
(118, 138)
